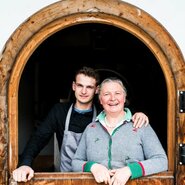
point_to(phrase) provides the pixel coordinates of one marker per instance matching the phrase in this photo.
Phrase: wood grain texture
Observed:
(60, 15)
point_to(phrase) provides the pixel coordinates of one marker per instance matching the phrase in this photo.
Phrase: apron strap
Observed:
(69, 115)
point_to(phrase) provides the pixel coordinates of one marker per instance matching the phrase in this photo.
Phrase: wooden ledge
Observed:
(72, 178)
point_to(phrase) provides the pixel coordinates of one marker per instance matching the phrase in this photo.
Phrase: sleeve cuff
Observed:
(136, 170)
(87, 166)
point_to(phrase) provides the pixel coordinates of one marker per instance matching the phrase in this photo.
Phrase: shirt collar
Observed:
(127, 117)
(82, 111)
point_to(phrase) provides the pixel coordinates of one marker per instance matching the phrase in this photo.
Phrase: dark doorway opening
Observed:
(49, 72)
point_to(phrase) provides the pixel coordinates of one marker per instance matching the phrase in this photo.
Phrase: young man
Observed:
(68, 121)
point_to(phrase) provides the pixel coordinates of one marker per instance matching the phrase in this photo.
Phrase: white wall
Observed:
(170, 13)
(15, 12)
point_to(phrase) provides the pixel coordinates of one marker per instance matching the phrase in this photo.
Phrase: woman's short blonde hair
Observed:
(113, 79)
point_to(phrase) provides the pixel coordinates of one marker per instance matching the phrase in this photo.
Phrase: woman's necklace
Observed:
(108, 124)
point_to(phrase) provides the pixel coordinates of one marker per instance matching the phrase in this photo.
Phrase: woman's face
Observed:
(112, 97)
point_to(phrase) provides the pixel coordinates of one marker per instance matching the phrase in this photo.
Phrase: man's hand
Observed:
(139, 119)
(23, 174)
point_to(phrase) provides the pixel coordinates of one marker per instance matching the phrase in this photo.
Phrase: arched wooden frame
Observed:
(60, 15)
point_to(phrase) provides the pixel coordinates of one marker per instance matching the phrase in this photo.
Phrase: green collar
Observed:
(127, 117)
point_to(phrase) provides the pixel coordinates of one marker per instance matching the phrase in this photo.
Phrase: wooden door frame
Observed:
(60, 15)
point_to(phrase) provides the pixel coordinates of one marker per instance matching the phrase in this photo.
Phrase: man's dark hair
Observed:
(90, 72)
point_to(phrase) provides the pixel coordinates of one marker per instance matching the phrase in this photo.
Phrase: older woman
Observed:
(111, 148)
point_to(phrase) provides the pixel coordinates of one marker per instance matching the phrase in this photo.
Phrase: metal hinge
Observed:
(181, 153)
(181, 101)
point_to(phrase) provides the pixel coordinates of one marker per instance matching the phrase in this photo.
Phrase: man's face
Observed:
(84, 88)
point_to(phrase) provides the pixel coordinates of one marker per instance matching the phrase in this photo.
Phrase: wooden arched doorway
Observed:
(65, 14)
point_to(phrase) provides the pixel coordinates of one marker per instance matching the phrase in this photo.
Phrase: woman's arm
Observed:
(155, 157)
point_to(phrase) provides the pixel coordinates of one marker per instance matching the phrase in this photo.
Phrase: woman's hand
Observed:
(120, 176)
(101, 173)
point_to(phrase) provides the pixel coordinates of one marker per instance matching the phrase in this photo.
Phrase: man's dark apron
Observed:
(70, 143)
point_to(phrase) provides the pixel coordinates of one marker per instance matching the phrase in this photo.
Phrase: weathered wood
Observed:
(60, 15)
(87, 179)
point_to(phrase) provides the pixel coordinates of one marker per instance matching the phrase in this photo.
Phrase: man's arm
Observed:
(36, 143)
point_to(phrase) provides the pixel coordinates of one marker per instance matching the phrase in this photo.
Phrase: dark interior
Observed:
(48, 75)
